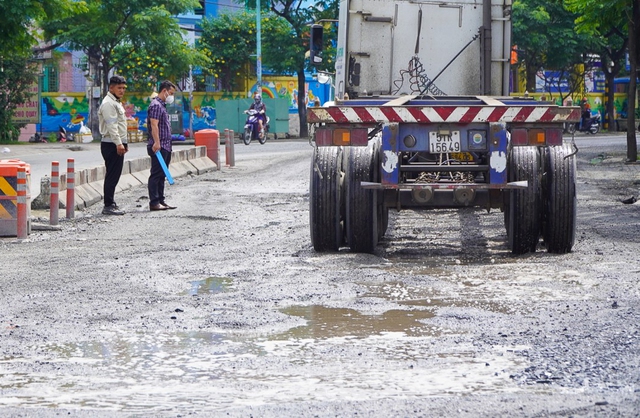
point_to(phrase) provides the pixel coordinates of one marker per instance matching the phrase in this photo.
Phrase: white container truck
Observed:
(422, 119)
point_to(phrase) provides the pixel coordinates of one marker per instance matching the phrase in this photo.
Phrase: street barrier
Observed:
(229, 148)
(15, 179)
(210, 138)
(54, 201)
(21, 226)
(88, 183)
(71, 192)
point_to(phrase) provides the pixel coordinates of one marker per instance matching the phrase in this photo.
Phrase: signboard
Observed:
(552, 82)
(29, 111)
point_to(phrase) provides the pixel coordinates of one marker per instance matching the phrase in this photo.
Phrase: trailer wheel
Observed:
(522, 213)
(361, 204)
(326, 201)
(382, 211)
(560, 202)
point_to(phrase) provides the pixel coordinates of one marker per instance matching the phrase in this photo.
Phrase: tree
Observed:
(18, 36)
(546, 38)
(605, 18)
(299, 14)
(137, 25)
(18, 74)
(229, 41)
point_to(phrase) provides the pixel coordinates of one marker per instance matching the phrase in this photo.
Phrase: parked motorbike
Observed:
(62, 135)
(252, 128)
(591, 125)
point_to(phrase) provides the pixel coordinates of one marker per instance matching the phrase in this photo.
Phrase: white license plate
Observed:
(439, 143)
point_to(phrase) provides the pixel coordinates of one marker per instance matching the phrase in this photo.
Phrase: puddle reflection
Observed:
(209, 285)
(324, 322)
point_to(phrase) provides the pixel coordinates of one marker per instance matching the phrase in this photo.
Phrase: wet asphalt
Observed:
(222, 308)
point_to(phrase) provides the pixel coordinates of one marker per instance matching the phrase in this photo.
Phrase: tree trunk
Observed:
(609, 119)
(94, 123)
(302, 106)
(531, 77)
(634, 32)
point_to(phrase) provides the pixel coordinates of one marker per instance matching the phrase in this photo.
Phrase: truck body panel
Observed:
(378, 41)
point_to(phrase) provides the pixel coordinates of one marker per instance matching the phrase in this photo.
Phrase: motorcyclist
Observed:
(261, 108)
(586, 114)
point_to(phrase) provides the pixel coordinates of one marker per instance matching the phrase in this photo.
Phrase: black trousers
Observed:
(157, 176)
(113, 162)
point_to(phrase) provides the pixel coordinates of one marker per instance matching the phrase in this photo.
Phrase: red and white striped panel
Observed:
(442, 114)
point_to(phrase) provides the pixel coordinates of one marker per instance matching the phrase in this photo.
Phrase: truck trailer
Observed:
(423, 120)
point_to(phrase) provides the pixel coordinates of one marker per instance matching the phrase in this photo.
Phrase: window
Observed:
(50, 82)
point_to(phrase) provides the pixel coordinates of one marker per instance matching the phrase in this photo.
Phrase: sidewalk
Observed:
(89, 167)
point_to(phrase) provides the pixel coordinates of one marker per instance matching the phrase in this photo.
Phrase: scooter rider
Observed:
(261, 108)
(586, 114)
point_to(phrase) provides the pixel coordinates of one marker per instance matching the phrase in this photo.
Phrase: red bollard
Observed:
(71, 190)
(22, 204)
(54, 201)
(210, 138)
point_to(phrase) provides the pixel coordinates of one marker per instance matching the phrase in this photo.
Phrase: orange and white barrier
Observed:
(71, 189)
(54, 201)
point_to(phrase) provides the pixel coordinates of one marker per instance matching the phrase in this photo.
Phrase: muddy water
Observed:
(338, 353)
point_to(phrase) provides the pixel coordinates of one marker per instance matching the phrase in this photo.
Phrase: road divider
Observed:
(89, 182)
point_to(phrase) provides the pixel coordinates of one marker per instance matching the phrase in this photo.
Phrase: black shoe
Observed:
(112, 210)
(157, 207)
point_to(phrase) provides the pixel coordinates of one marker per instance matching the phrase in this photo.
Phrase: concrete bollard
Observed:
(71, 189)
(54, 200)
(229, 148)
(21, 217)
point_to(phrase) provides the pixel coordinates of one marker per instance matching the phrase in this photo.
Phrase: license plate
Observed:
(442, 143)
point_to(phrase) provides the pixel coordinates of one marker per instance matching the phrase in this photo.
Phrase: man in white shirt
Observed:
(113, 128)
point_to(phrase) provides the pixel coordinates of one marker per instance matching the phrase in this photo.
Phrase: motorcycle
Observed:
(591, 126)
(62, 135)
(252, 128)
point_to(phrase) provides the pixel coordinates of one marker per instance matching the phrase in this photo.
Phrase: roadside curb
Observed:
(89, 182)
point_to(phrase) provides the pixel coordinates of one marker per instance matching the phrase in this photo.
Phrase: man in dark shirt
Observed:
(159, 128)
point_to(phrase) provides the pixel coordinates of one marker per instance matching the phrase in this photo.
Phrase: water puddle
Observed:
(324, 322)
(209, 285)
(427, 297)
(339, 354)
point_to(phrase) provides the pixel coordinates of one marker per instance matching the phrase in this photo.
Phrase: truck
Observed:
(423, 120)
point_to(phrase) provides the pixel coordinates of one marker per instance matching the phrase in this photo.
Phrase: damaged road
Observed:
(222, 307)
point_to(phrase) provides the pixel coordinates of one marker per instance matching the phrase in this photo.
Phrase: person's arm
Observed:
(155, 134)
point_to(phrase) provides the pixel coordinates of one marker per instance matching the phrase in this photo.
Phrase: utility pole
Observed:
(258, 46)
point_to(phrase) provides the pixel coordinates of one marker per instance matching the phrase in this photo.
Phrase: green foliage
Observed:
(229, 41)
(300, 15)
(113, 32)
(19, 16)
(17, 76)
(144, 67)
(545, 34)
(598, 17)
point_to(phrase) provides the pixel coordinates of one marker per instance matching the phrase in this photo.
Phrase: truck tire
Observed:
(382, 212)
(523, 210)
(326, 197)
(361, 204)
(560, 203)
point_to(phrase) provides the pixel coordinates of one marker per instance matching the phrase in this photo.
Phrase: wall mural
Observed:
(71, 110)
